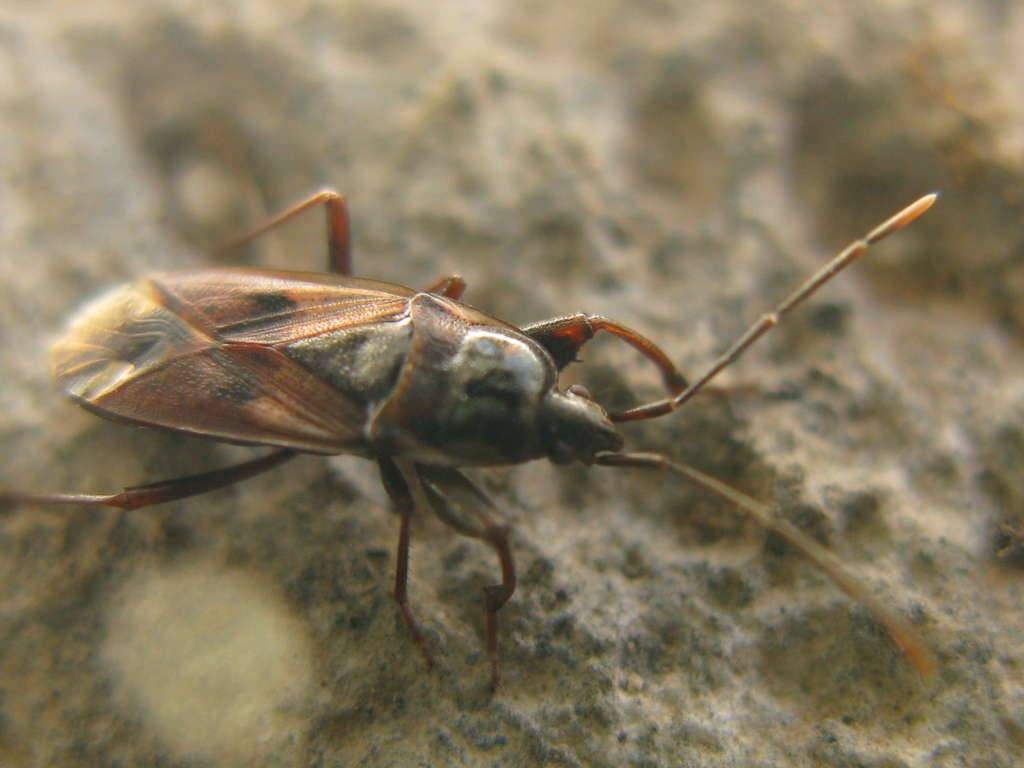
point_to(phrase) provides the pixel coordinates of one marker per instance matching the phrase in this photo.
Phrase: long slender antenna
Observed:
(768, 321)
(902, 635)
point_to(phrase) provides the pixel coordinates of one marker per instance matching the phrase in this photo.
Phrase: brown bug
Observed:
(415, 380)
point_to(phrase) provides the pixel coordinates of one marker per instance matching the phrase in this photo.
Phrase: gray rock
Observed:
(675, 166)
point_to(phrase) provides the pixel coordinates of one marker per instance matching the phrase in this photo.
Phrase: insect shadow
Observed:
(418, 381)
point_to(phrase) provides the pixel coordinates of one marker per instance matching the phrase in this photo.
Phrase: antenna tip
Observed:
(918, 207)
(902, 218)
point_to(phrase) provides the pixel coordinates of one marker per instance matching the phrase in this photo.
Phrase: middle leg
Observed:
(398, 490)
(468, 510)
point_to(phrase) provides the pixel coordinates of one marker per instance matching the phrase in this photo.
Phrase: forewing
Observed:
(195, 352)
(265, 307)
(241, 394)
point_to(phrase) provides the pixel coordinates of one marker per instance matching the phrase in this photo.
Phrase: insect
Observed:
(416, 381)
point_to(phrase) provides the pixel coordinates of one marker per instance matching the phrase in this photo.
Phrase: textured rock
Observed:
(676, 166)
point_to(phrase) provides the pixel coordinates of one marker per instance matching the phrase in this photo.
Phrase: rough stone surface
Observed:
(676, 166)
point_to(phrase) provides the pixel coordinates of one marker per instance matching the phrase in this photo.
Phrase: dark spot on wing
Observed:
(272, 303)
(237, 392)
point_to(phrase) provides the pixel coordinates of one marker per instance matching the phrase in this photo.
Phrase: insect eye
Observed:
(580, 391)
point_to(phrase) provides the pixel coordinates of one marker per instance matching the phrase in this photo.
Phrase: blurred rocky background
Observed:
(677, 166)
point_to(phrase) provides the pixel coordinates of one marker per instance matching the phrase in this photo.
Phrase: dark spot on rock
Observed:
(861, 512)
(729, 589)
(829, 319)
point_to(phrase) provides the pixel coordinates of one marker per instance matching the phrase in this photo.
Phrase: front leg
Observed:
(467, 509)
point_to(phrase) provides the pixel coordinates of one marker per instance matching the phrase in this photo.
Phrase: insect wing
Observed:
(205, 352)
(265, 307)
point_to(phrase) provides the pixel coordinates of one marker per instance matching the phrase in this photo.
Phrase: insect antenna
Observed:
(768, 321)
(902, 635)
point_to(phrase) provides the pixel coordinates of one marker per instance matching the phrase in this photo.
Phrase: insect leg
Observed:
(339, 230)
(468, 510)
(768, 321)
(398, 490)
(902, 635)
(161, 492)
(563, 337)
(451, 287)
